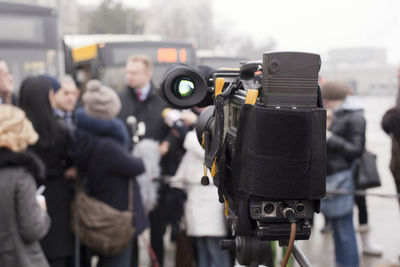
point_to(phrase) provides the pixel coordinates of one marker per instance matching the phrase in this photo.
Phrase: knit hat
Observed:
(101, 102)
(16, 131)
(55, 84)
(335, 90)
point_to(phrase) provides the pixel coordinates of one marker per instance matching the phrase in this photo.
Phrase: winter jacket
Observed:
(22, 222)
(149, 111)
(347, 140)
(59, 241)
(107, 167)
(102, 127)
(391, 125)
(204, 214)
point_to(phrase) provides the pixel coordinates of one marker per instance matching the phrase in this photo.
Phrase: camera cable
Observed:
(289, 214)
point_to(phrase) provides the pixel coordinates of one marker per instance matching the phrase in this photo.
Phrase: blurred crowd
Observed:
(133, 152)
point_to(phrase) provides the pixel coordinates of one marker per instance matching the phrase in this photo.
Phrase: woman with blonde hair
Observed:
(24, 220)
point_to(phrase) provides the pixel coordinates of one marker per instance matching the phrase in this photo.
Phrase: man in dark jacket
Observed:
(141, 100)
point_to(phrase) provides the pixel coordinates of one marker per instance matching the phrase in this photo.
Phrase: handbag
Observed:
(102, 228)
(368, 175)
(336, 206)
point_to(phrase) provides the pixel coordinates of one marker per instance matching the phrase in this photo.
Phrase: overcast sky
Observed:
(311, 25)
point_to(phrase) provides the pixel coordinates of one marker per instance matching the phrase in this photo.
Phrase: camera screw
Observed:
(269, 208)
(205, 180)
(257, 212)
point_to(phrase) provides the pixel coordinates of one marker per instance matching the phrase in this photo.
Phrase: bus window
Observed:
(29, 40)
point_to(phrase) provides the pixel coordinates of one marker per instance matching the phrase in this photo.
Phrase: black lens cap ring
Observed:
(178, 74)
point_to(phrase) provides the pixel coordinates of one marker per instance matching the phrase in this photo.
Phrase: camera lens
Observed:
(183, 87)
(205, 122)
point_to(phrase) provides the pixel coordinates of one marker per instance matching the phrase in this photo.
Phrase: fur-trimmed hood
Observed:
(27, 160)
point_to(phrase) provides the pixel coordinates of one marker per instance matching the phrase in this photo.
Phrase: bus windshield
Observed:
(35, 49)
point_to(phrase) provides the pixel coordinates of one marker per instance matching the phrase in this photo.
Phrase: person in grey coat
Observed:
(23, 219)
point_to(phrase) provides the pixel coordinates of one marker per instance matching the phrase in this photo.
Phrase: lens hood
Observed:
(176, 74)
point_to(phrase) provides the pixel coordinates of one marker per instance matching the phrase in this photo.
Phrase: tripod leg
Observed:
(300, 257)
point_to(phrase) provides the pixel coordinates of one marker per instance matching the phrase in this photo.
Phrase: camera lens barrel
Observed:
(205, 122)
(183, 87)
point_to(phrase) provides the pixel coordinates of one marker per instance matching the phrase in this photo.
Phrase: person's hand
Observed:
(164, 148)
(188, 117)
(71, 173)
(171, 116)
(41, 200)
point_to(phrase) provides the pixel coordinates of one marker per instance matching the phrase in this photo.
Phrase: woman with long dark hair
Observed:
(36, 96)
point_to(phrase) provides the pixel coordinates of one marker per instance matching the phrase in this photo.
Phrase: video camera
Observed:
(264, 135)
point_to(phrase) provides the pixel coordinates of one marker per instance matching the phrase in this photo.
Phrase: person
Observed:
(6, 84)
(36, 96)
(24, 220)
(345, 144)
(141, 100)
(98, 152)
(204, 215)
(391, 125)
(66, 95)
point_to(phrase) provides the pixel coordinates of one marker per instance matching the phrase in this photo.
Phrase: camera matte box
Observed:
(290, 79)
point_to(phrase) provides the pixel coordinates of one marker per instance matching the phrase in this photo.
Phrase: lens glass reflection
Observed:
(184, 87)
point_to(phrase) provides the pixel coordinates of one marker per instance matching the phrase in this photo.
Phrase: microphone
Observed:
(131, 121)
(172, 118)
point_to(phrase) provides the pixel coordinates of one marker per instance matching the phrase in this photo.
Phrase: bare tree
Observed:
(179, 19)
(112, 17)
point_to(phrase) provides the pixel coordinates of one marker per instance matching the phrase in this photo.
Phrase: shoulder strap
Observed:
(130, 196)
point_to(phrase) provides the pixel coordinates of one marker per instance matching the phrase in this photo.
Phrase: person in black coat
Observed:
(141, 99)
(391, 125)
(35, 99)
(100, 155)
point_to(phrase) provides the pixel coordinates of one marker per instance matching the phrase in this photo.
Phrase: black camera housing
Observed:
(269, 155)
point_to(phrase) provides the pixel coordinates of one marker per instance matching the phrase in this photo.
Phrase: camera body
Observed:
(264, 140)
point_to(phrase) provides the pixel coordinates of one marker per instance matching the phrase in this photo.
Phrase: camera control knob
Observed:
(205, 180)
(274, 66)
